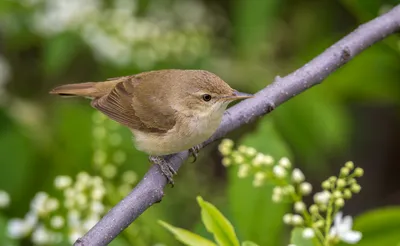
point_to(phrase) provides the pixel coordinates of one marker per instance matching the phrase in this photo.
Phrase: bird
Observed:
(167, 111)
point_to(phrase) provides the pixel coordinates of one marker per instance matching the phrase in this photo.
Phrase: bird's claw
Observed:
(167, 170)
(194, 151)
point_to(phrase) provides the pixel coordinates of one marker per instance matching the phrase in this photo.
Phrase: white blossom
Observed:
(342, 229)
(308, 233)
(4, 199)
(17, 228)
(322, 197)
(243, 171)
(279, 171)
(284, 162)
(305, 188)
(57, 222)
(297, 175)
(62, 182)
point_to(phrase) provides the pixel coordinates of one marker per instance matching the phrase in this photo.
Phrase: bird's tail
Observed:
(88, 89)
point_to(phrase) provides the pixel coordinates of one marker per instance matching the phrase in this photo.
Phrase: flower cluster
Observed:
(79, 208)
(81, 201)
(290, 186)
(144, 40)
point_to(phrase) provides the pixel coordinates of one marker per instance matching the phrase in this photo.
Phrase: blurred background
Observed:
(63, 149)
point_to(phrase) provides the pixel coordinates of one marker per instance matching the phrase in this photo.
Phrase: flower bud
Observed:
(279, 171)
(344, 171)
(359, 172)
(268, 160)
(297, 175)
(284, 162)
(337, 194)
(347, 194)
(319, 224)
(332, 179)
(305, 188)
(339, 202)
(299, 207)
(226, 162)
(355, 188)
(297, 220)
(314, 209)
(326, 185)
(276, 198)
(242, 149)
(322, 197)
(308, 233)
(251, 151)
(341, 183)
(287, 219)
(349, 165)
(243, 171)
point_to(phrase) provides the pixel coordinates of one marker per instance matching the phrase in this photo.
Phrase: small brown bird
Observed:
(167, 111)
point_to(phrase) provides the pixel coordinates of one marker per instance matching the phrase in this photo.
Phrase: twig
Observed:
(150, 189)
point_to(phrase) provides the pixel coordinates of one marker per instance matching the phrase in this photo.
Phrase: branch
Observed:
(150, 189)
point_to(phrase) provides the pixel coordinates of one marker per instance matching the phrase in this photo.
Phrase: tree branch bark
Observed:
(150, 189)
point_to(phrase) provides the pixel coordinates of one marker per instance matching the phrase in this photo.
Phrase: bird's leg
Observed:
(194, 151)
(165, 167)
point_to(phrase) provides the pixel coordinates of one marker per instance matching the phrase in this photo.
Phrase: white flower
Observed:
(17, 228)
(4, 199)
(299, 207)
(42, 236)
(38, 203)
(284, 162)
(243, 171)
(62, 182)
(322, 197)
(305, 188)
(297, 219)
(342, 229)
(308, 233)
(57, 222)
(251, 151)
(287, 218)
(279, 171)
(297, 175)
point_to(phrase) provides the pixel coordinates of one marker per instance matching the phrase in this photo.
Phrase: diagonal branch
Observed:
(150, 189)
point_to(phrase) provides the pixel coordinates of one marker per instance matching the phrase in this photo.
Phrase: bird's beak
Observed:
(237, 96)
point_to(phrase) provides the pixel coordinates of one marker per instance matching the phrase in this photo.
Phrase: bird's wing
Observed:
(139, 111)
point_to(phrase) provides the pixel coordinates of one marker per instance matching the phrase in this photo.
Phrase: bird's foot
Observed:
(194, 151)
(165, 167)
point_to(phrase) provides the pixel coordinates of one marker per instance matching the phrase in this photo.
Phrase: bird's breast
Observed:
(188, 132)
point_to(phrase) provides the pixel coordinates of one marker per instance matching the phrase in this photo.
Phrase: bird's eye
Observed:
(206, 97)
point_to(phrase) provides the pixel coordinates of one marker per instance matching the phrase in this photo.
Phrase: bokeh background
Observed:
(352, 115)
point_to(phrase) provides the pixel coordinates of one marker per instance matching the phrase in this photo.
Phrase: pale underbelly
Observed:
(175, 140)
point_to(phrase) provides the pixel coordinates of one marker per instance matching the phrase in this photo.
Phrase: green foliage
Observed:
(217, 224)
(379, 226)
(186, 237)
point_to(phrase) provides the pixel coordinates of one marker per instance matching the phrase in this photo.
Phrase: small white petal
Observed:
(351, 237)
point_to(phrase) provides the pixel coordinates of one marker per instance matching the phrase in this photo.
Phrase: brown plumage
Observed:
(167, 110)
(149, 110)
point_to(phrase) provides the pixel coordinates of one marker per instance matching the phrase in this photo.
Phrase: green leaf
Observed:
(249, 243)
(298, 239)
(379, 227)
(217, 224)
(187, 237)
